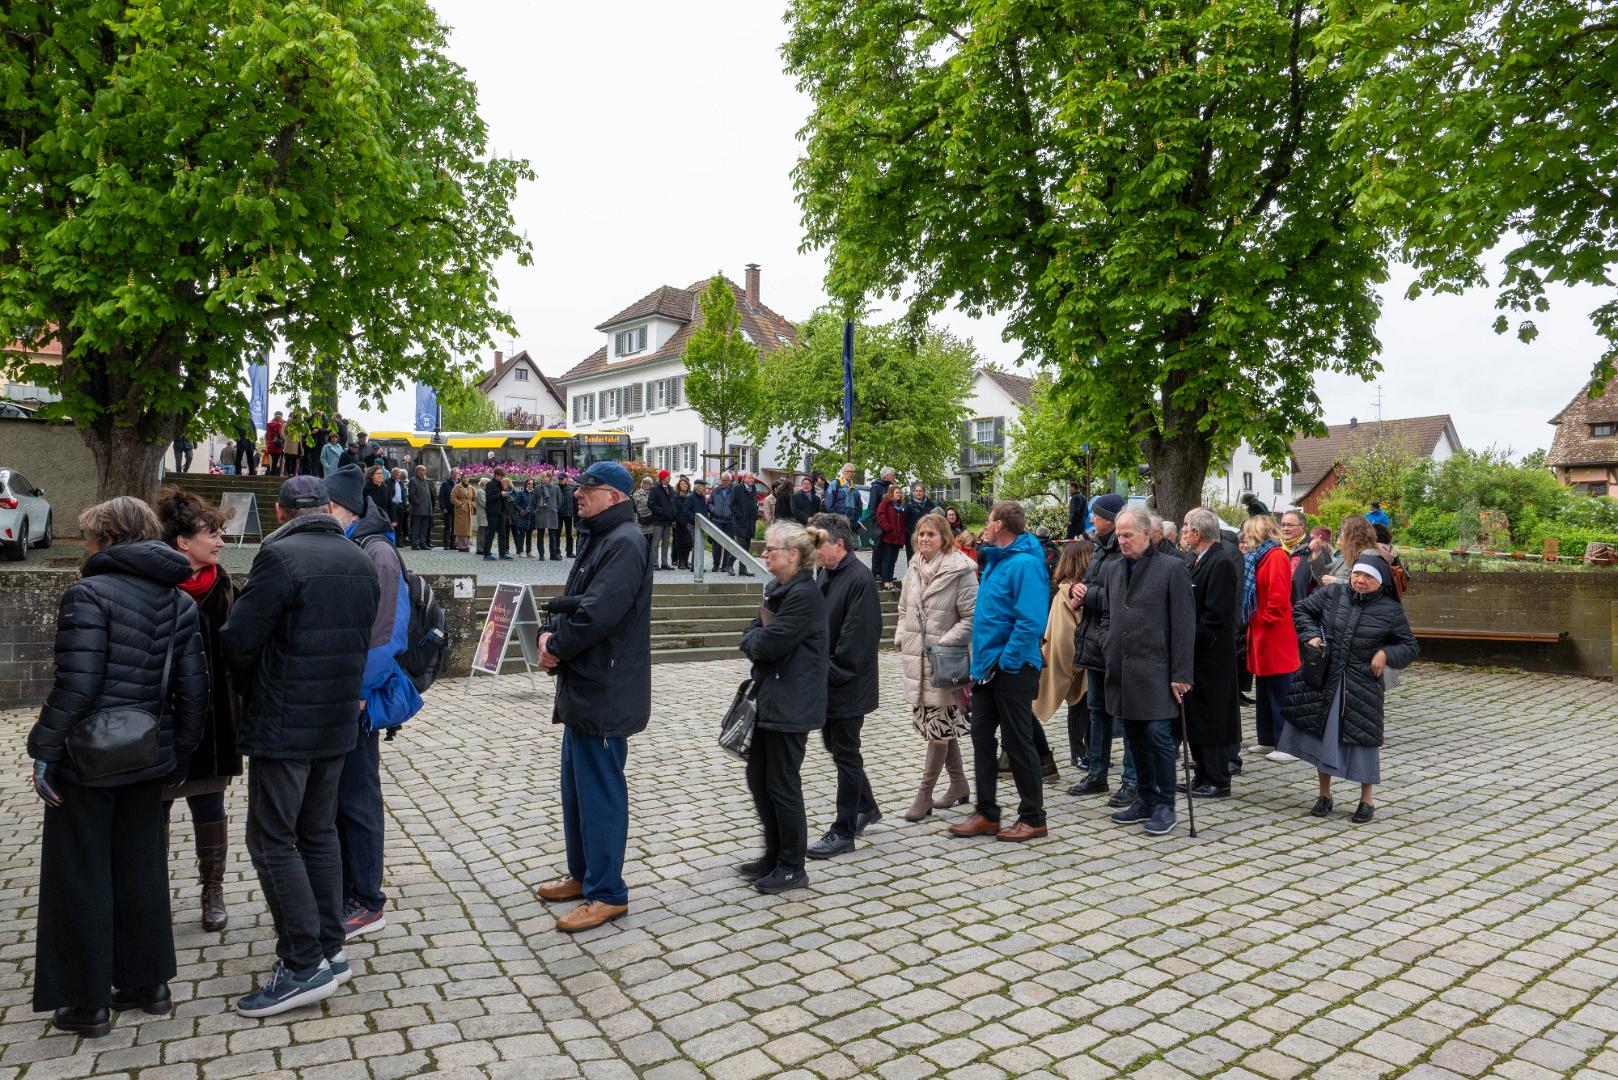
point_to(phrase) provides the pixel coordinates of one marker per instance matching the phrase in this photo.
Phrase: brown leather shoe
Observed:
(561, 889)
(976, 825)
(1021, 831)
(589, 915)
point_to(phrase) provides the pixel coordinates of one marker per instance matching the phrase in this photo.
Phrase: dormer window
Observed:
(1600, 430)
(629, 342)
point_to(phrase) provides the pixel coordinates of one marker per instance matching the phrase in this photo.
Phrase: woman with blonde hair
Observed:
(936, 604)
(1272, 643)
(1061, 679)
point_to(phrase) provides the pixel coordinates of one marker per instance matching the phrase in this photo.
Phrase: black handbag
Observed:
(1314, 665)
(109, 745)
(736, 729)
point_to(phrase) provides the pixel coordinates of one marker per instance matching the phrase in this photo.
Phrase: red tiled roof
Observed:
(1016, 387)
(665, 300)
(1572, 444)
(491, 380)
(1313, 458)
(766, 328)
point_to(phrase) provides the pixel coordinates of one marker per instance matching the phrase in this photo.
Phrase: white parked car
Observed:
(25, 516)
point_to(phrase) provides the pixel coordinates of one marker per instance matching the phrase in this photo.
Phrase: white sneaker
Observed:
(1259, 748)
(1279, 757)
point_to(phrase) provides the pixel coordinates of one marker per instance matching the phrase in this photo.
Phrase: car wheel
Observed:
(19, 551)
(45, 540)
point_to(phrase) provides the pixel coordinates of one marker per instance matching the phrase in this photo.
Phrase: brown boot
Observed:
(211, 848)
(937, 749)
(957, 792)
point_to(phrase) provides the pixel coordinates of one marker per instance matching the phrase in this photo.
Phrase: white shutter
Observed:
(634, 399)
(676, 390)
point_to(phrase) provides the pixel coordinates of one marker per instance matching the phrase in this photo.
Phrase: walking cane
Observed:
(1185, 758)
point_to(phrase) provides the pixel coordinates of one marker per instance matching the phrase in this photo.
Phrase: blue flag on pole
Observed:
(426, 408)
(258, 391)
(848, 374)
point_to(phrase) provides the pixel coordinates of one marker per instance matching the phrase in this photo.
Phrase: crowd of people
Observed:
(172, 681)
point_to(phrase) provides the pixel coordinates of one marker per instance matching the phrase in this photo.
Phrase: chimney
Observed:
(499, 357)
(752, 286)
(1353, 421)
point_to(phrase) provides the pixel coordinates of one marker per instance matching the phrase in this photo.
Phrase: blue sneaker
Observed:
(340, 971)
(286, 989)
(1161, 821)
(1132, 814)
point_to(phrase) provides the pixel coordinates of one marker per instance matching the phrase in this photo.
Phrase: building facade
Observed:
(1584, 452)
(518, 384)
(998, 399)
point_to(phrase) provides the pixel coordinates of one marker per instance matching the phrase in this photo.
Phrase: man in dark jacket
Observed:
(743, 516)
(388, 698)
(854, 633)
(1150, 644)
(1078, 520)
(1212, 714)
(719, 513)
(421, 510)
(497, 510)
(296, 644)
(804, 503)
(1103, 510)
(567, 509)
(660, 502)
(601, 652)
(1310, 557)
(446, 506)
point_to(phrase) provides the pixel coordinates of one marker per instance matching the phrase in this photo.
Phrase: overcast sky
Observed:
(663, 138)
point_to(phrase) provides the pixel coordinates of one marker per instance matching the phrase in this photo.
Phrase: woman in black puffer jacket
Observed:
(104, 836)
(1338, 727)
(787, 644)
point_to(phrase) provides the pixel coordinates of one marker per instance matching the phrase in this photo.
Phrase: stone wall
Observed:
(1582, 605)
(55, 459)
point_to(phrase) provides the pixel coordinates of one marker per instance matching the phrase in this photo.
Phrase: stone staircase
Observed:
(700, 622)
(213, 488)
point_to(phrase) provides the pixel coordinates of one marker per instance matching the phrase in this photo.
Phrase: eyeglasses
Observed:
(770, 549)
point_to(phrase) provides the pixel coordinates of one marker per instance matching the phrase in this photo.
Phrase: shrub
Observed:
(1429, 527)
(1334, 509)
(1052, 517)
(973, 515)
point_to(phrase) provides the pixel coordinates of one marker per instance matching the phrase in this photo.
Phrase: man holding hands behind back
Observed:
(601, 653)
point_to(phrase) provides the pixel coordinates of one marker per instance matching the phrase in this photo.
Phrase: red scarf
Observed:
(197, 585)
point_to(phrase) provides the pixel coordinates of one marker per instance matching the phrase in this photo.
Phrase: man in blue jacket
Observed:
(719, 514)
(387, 699)
(1007, 627)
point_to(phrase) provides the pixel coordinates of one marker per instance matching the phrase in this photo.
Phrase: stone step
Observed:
(692, 656)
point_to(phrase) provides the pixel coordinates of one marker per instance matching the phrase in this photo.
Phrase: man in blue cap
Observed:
(601, 652)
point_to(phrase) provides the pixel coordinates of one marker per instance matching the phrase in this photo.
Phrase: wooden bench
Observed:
(1448, 633)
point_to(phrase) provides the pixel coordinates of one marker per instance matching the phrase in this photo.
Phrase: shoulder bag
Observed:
(1314, 659)
(736, 729)
(109, 745)
(949, 666)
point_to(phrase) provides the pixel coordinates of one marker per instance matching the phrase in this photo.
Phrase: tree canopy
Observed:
(1050, 449)
(191, 182)
(722, 369)
(464, 407)
(1151, 193)
(910, 393)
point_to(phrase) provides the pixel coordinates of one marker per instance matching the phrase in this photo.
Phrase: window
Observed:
(1592, 488)
(743, 458)
(610, 401)
(584, 409)
(1602, 430)
(629, 342)
(664, 393)
(983, 441)
(633, 398)
(1247, 481)
(522, 374)
(1278, 485)
(689, 461)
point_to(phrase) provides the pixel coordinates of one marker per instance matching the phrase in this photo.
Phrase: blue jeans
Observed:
(359, 822)
(1102, 730)
(1153, 744)
(595, 814)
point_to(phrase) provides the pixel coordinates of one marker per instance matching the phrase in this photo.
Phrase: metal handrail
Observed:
(699, 554)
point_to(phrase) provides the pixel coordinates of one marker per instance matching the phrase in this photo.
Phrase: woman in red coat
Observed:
(890, 527)
(1272, 643)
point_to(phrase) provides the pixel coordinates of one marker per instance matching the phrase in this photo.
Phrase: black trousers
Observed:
(682, 543)
(1078, 731)
(841, 737)
(774, 776)
(449, 529)
(421, 531)
(1213, 765)
(103, 897)
(1006, 703)
(567, 529)
(292, 839)
(556, 542)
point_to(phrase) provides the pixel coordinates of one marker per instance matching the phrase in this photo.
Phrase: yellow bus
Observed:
(556, 447)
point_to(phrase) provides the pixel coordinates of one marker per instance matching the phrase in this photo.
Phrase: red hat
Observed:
(662, 474)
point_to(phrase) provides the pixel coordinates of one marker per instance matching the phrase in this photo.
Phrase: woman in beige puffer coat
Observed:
(936, 603)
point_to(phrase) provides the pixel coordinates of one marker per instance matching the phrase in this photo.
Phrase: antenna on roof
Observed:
(1379, 403)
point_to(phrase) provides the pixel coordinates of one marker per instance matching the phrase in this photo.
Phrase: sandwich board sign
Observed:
(242, 507)
(512, 615)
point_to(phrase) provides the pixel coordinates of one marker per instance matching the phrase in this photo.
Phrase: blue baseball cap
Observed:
(610, 473)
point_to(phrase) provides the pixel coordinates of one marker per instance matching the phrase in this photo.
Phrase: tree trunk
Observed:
(1179, 468)
(126, 464)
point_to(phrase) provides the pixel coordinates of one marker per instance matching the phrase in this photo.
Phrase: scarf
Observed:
(197, 586)
(927, 569)
(1250, 577)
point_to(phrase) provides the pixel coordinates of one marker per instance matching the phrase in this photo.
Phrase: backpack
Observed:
(427, 637)
(1401, 579)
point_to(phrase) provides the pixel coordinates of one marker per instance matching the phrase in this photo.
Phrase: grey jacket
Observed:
(547, 502)
(1151, 635)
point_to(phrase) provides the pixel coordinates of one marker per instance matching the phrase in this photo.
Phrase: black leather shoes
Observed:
(1208, 791)
(1363, 813)
(779, 881)
(1124, 796)
(1093, 784)
(85, 1023)
(833, 843)
(154, 1000)
(756, 869)
(1322, 807)
(865, 821)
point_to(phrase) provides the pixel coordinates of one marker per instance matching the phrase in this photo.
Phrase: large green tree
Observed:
(722, 380)
(910, 391)
(1490, 127)
(1148, 190)
(190, 182)
(1050, 448)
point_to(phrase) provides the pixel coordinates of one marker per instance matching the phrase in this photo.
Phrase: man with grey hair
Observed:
(1149, 651)
(1310, 557)
(1213, 721)
(1163, 537)
(719, 514)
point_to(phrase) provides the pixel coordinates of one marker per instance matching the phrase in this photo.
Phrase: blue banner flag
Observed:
(258, 392)
(426, 408)
(848, 374)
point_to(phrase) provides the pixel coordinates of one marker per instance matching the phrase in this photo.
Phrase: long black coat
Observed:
(1212, 709)
(660, 501)
(296, 639)
(854, 632)
(112, 632)
(1092, 628)
(789, 656)
(216, 757)
(1150, 637)
(1355, 626)
(604, 685)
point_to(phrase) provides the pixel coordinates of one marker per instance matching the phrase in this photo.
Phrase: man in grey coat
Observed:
(1150, 651)
(421, 510)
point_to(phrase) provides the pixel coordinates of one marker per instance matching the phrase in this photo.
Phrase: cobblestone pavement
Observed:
(1469, 930)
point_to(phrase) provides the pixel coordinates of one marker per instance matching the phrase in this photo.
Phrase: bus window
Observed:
(593, 447)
